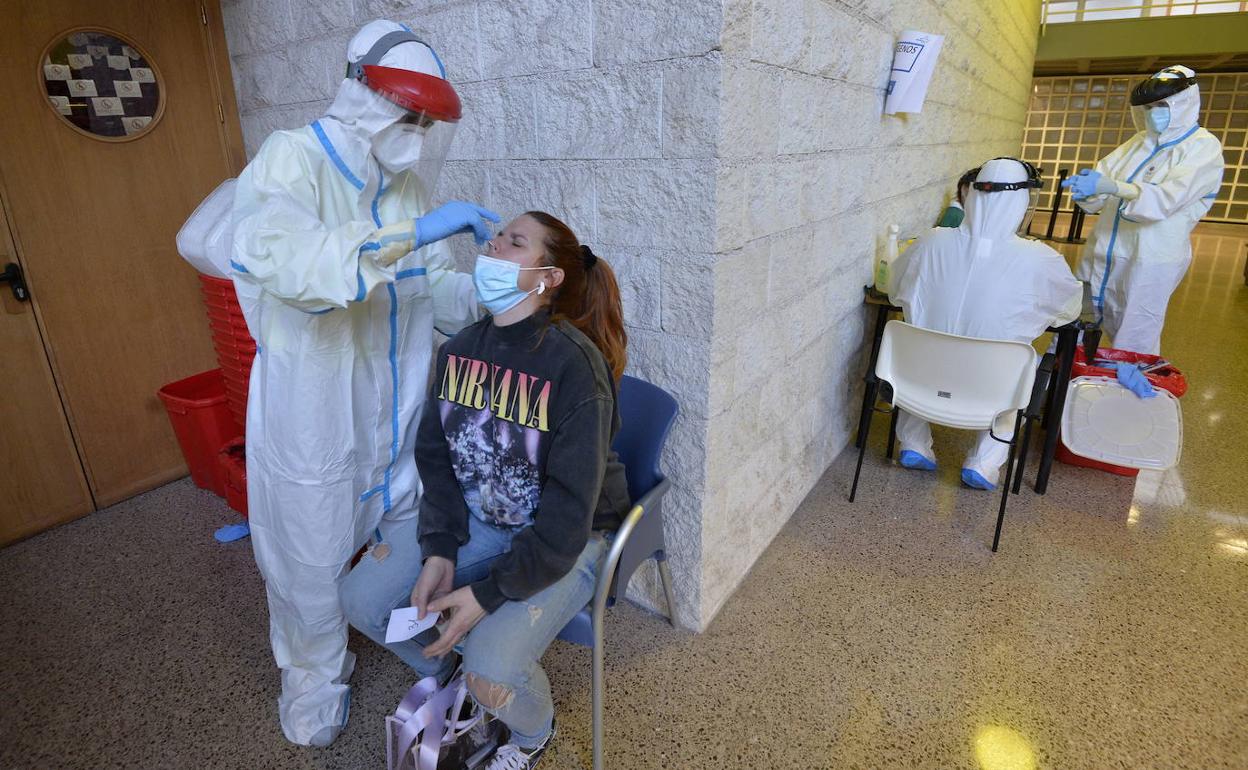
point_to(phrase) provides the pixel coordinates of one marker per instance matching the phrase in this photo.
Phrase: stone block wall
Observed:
(730, 160)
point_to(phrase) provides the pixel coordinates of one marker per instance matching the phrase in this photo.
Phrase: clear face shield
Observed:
(417, 143)
(419, 140)
(1033, 200)
(1149, 109)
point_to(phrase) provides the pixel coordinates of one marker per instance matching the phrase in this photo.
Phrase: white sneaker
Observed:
(512, 757)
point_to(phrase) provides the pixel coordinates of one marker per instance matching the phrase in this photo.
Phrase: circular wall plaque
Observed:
(102, 85)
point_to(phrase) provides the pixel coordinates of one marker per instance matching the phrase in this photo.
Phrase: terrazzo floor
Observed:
(1108, 632)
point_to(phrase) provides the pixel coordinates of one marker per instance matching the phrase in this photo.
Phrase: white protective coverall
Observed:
(982, 280)
(1141, 248)
(341, 371)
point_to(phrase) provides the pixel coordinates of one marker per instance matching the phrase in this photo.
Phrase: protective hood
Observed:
(994, 216)
(362, 123)
(1184, 111)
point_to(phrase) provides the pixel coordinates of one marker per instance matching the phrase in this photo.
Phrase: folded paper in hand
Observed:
(404, 624)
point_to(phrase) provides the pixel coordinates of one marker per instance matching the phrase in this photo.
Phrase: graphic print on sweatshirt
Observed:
(495, 421)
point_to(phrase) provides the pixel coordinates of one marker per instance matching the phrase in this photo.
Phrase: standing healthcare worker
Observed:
(982, 280)
(1159, 184)
(342, 275)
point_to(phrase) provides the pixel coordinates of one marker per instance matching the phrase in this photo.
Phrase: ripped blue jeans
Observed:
(502, 654)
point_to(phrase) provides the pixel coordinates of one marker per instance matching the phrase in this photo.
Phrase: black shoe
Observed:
(475, 745)
(512, 757)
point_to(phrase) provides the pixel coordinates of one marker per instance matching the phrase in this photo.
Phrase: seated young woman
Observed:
(521, 489)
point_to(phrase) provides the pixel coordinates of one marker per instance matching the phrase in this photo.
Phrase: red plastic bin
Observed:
(232, 461)
(231, 339)
(202, 422)
(1169, 378)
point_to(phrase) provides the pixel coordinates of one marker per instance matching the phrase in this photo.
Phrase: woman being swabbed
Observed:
(521, 488)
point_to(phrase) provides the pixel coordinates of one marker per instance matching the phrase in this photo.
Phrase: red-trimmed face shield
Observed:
(420, 139)
(427, 97)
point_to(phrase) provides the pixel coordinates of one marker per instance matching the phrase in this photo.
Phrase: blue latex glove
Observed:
(451, 218)
(231, 532)
(1087, 183)
(1130, 377)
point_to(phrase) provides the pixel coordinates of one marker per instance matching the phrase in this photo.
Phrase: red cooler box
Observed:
(1168, 378)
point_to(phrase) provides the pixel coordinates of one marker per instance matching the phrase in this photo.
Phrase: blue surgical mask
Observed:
(498, 284)
(1159, 118)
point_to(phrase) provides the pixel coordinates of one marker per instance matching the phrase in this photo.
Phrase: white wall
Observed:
(730, 160)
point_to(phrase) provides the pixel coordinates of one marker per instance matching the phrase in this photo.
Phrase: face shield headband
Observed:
(1164, 84)
(428, 97)
(1032, 182)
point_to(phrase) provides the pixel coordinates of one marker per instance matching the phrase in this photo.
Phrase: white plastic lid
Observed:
(1104, 421)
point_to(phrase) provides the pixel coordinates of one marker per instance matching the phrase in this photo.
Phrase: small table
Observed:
(1067, 348)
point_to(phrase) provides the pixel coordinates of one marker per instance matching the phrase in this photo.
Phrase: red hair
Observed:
(589, 297)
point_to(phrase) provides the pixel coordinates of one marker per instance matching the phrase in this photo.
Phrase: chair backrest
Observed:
(647, 413)
(961, 382)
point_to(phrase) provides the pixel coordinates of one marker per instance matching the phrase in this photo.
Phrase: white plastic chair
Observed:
(959, 382)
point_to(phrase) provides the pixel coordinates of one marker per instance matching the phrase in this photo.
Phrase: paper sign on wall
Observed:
(914, 61)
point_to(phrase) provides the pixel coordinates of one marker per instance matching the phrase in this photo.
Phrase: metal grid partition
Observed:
(1074, 121)
(1065, 11)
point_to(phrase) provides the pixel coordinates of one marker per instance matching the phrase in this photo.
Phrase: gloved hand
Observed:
(393, 242)
(1131, 378)
(451, 218)
(1087, 183)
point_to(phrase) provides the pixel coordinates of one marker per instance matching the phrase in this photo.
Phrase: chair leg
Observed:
(665, 575)
(892, 433)
(865, 432)
(1022, 455)
(1005, 488)
(596, 689)
(869, 395)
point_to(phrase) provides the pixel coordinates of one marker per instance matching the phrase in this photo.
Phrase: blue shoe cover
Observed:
(975, 481)
(231, 532)
(915, 461)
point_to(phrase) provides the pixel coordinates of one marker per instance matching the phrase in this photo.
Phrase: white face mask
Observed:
(397, 146)
(498, 284)
(1159, 118)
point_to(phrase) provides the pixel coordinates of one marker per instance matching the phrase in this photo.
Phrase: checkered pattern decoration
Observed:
(101, 84)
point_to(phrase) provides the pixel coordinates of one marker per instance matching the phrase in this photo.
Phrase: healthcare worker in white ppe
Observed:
(343, 274)
(1150, 192)
(982, 280)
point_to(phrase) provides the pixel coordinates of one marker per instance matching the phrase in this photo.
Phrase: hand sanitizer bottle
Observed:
(883, 268)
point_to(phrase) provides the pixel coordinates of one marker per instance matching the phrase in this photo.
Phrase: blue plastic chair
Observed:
(646, 414)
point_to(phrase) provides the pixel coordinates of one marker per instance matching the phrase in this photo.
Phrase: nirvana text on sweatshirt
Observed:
(517, 431)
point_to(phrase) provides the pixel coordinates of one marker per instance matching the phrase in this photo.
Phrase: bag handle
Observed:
(429, 722)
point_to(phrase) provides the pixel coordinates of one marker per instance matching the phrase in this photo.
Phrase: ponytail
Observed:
(589, 297)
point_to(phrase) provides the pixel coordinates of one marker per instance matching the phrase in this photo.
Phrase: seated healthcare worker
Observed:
(982, 280)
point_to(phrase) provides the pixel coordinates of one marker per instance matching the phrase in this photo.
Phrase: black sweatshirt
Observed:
(517, 431)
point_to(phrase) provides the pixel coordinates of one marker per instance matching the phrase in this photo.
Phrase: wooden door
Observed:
(41, 480)
(95, 219)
